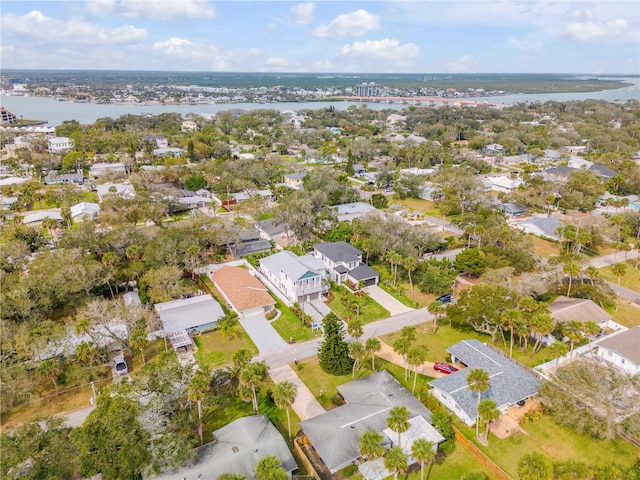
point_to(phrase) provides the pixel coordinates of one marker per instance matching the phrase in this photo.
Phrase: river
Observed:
(56, 112)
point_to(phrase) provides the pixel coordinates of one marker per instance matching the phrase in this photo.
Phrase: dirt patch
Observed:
(510, 422)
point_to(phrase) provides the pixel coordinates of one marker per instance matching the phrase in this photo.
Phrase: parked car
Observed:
(120, 365)
(444, 368)
(446, 298)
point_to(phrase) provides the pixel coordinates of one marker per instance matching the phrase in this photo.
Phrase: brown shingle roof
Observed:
(565, 309)
(241, 289)
(626, 343)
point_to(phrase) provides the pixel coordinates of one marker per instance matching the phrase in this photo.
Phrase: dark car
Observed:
(444, 368)
(446, 298)
(120, 365)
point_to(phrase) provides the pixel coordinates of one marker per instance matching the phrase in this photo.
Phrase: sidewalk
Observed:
(305, 405)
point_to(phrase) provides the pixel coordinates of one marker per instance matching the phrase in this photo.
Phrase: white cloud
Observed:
(153, 9)
(34, 27)
(387, 49)
(322, 65)
(277, 62)
(587, 31)
(254, 51)
(173, 46)
(529, 46)
(349, 25)
(461, 64)
(302, 13)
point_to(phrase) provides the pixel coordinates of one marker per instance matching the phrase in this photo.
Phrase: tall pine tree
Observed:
(333, 353)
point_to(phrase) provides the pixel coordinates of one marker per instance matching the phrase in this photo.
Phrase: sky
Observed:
(420, 36)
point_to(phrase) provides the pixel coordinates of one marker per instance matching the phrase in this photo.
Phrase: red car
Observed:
(444, 368)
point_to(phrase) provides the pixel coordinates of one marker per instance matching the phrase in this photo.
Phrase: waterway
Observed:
(56, 112)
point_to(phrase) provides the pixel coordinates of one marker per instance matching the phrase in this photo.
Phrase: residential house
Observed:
(84, 210)
(124, 190)
(101, 168)
(268, 230)
(545, 227)
(558, 174)
(348, 211)
(564, 309)
(248, 242)
(13, 181)
(335, 435)
(344, 263)
(294, 180)
(240, 197)
(60, 144)
(502, 183)
(55, 178)
(510, 382)
(579, 162)
(159, 141)
(36, 218)
(237, 448)
(242, 291)
(605, 173)
(167, 152)
(297, 279)
(493, 149)
(511, 210)
(7, 202)
(193, 313)
(189, 126)
(622, 350)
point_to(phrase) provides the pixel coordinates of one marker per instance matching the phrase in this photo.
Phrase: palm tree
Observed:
(436, 309)
(416, 357)
(398, 420)
(591, 328)
(592, 272)
(558, 349)
(50, 368)
(373, 346)
(488, 412)
(619, 270)
(510, 319)
(197, 390)
(541, 325)
(410, 264)
(534, 466)
(396, 461)
(86, 353)
(401, 346)
(138, 340)
(284, 394)
(370, 446)
(572, 269)
(422, 451)
(357, 353)
(228, 326)
(268, 468)
(572, 330)
(251, 377)
(354, 328)
(479, 381)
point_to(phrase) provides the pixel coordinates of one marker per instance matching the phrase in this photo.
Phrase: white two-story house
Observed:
(344, 263)
(59, 144)
(297, 279)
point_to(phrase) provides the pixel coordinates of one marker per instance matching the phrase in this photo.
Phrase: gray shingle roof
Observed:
(237, 448)
(339, 252)
(334, 434)
(510, 381)
(626, 344)
(363, 272)
(187, 313)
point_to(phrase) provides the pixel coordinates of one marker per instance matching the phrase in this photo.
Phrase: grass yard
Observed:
(456, 464)
(628, 314)
(369, 310)
(289, 326)
(415, 299)
(215, 351)
(542, 247)
(427, 207)
(631, 279)
(556, 442)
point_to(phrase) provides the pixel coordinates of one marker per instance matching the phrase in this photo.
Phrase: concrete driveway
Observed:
(305, 405)
(262, 333)
(394, 306)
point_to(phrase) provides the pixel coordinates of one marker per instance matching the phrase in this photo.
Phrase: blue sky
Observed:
(474, 36)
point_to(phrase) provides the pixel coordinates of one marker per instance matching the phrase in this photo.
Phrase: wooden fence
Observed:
(481, 457)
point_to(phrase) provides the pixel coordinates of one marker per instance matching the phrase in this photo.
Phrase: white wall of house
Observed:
(618, 360)
(453, 406)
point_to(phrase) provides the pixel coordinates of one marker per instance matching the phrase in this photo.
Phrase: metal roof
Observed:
(187, 313)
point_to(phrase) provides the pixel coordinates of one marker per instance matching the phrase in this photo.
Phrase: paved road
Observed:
(77, 417)
(612, 258)
(310, 349)
(624, 292)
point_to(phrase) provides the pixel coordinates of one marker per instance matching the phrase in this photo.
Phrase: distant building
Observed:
(367, 90)
(159, 141)
(168, 152)
(101, 168)
(188, 126)
(55, 178)
(83, 210)
(622, 350)
(6, 117)
(511, 210)
(60, 144)
(348, 211)
(124, 190)
(546, 227)
(294, 180)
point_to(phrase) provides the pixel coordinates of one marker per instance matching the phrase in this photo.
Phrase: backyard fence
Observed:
(481, 457)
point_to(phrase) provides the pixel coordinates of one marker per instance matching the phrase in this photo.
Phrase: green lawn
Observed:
(427, 207)
(215, 351)
(290, 327)
(403, 294)
(556, 442)
(369, 309)
(627, 314)
(542, 247)
(631, 279)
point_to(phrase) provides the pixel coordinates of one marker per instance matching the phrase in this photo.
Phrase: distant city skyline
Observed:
(501, 36)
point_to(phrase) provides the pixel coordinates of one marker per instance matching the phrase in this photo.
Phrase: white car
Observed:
(120, 365)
